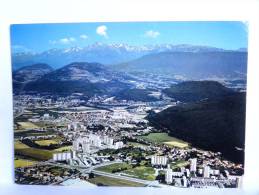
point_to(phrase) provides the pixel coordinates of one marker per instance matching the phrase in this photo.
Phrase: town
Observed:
(103, 141)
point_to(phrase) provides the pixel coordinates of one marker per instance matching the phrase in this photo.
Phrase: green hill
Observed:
(190, 91)
(217, 125)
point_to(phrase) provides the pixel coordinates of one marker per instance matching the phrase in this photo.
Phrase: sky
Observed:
(42, 37)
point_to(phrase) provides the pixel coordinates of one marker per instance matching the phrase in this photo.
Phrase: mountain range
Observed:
(107, 54)
(82, 77)
(191, 65)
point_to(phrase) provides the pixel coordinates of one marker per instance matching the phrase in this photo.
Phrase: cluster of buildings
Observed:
(91, 129)
(43, 175)
(84, 149)
(91, 143)
(194, 175)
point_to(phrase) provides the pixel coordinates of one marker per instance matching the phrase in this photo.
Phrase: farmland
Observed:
(26, 125)
(63, 149)
(32, 153)
(114, 167)
(141, 172)
(47, 142)
(166, 139)
(108, 181)
(19, 163)
(19, 145)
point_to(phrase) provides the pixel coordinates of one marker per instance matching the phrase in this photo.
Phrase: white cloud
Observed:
(101, 30)
(66, 40)
(83, 36)
(151, 34)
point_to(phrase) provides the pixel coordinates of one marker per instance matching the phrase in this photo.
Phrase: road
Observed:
(92, 169)
(117, 176)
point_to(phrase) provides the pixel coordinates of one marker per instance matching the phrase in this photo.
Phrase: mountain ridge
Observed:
(191, 91)
(83, 77)
(192, 65)
(103, 53)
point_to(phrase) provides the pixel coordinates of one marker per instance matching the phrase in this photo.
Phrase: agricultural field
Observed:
(26, 125)
(23, 150)
(47, 142)
(34, 153)
(20, 145)
(166, 139)
(63, 149)
(141, 172)
(19, 163)
(117, 167)
(108, 181)
(136, 144)
(178, 144)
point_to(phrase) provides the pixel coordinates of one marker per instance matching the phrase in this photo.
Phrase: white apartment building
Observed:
(206, 172)
(168, 176)
(159, 160)
(193, 165)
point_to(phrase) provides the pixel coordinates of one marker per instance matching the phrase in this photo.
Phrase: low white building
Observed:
(64, 156)
(159, 160)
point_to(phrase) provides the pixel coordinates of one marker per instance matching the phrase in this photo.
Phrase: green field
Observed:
(108, 181)
(18, 163)
(23, 150)
(166, 139)
(20, 145)
(26, 125)
(177, 144)
(114, 167)
(63, 149)
(141, 172)
(47, 142)
(136, 144)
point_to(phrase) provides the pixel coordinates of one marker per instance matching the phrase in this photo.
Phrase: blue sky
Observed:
(41, 37)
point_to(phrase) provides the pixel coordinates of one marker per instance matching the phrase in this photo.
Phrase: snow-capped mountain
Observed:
(99, 52)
